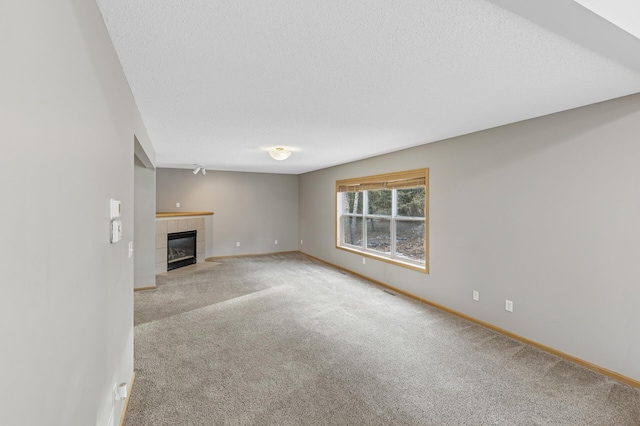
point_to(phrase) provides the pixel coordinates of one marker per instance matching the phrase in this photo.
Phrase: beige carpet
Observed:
(285, 340)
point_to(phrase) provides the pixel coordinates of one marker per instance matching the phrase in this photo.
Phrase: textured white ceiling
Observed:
(218, 82)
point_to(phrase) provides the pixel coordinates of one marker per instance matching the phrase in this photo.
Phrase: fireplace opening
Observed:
(181, 249)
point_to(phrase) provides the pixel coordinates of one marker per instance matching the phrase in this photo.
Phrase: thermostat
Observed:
(116, 206)
(116, 231)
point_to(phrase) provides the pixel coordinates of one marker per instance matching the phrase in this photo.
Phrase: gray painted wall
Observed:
(542, 212)
(254, 209)
(67, 125)
(144, 258)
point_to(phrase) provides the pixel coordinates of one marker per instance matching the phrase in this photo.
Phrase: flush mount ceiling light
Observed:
(198, 168)
(279, 153)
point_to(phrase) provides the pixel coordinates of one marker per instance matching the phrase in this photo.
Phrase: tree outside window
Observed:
(385, 216)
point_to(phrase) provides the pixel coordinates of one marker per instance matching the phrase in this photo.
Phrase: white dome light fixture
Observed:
(279, 153)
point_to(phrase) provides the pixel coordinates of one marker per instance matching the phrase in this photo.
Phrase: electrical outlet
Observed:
(476, 296)
(122, 391)
(300, 242)
(364, 260)
(276, 242)
(508, 305)
(177, 204)
(238, 244)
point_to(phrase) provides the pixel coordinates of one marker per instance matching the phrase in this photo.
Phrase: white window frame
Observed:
(393, 181)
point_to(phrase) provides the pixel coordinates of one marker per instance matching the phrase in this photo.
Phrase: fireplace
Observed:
(181, 249)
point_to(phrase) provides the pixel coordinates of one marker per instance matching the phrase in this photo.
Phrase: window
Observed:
(385, 217)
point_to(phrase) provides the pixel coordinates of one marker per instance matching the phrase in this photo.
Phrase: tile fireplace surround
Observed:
(167, 223)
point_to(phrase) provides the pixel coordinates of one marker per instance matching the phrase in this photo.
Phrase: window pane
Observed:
(411, 202)
(352, 202)
(379, 235)
(352, 230)
(410, 239)
(385, 217)
(380, 202)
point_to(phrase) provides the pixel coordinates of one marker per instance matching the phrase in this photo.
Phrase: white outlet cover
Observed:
(508, 305)
(476, 296)
(121, 392)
